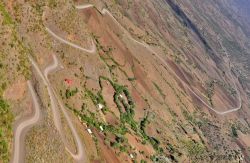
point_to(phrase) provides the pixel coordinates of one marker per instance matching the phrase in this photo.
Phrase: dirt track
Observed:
(24, 125)
(105, 11)
(80, 155)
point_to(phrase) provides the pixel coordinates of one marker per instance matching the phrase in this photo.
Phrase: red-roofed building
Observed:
(69, 82)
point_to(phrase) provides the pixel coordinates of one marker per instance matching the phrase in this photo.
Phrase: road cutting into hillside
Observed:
(24, 126)
(80, 155)
(105, 11)
(92, 50)
(54, 108)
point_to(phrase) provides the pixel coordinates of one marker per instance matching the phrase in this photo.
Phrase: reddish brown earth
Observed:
(162, 56)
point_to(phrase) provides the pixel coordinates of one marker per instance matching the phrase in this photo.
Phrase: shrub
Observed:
(4, 107)
(234, 131)
(132, 79)
(170, 148)
(195, 150)
(3, 147)
(70, 93)
(6, 17)
(5, 129)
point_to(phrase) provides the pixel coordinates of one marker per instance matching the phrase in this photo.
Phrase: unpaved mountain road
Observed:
(80, 155)
(91, 50)
(23, 126)
(105, 11)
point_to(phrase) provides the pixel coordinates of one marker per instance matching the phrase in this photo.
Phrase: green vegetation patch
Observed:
(97, 99)
(69, 93)
(195, 150)
(153, 141)
(6, 17)
(210, 91)
(128, 115)
(124, 102)
(15, 42)
(234, 131)
(10, 67)
(5, 130)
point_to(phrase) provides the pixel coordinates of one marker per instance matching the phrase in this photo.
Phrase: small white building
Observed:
(131, 156)
(120, 95)
(89, 131)
(100, 106)
(101, 128)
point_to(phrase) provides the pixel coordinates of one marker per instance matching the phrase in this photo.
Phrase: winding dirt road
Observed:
(22, 127)
(55, 111)
(105, 11)
(79, 156)
(91, 50)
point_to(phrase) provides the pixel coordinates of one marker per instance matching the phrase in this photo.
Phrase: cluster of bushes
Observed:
(126, 118)
(129, 98)
(128, 115)
(189, 117)
(90, 119)
(195, 150)
(228, 88)
(210, 91)
(118, 143)
(5, 129)
(16, 42)
(97, 99)
(121, 129)
(131, 79)
(69, 93)
(177, 59)
(3, 147)
(153, 141)
(6, 17)
(6, 117)
(52, 3)
(234, 131)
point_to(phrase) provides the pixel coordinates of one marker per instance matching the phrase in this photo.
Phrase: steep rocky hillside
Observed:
(124, 81)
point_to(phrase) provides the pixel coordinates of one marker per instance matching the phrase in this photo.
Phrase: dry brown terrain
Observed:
(125, 81)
